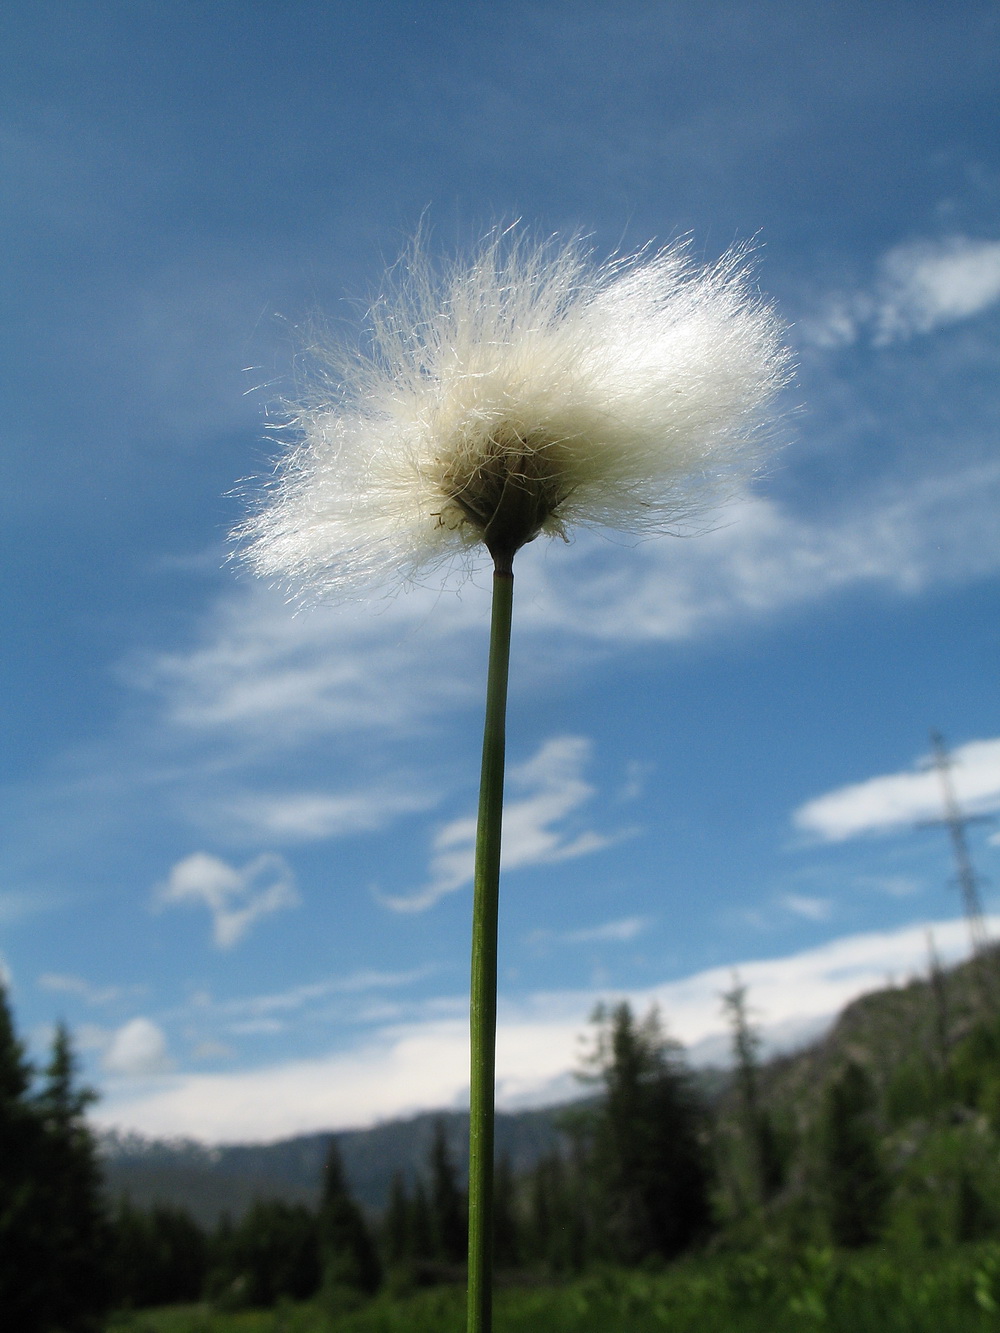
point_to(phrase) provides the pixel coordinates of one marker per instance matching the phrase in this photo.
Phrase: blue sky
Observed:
(235, 853)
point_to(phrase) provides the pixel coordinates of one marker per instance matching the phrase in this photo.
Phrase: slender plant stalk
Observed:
(483, 1008)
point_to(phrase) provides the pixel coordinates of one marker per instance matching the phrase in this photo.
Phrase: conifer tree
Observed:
(22, 1229)
(53, 1232)
(650, 1164)
(558, 1215)
(447, 1204)
(73, 1189)
(421, 1225)
(857, 1186)
(506, 1240)
(396, 1229)
(350, 1262)
(271, 1254)
(159, 1256)
(758, 1128)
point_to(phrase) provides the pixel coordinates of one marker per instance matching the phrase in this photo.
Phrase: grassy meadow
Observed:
(880, 1291)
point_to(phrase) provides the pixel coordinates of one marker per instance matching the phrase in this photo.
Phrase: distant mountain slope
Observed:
(921, 1021)
(210, 1180)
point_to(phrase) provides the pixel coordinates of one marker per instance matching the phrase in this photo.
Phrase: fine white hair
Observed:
(629, 395)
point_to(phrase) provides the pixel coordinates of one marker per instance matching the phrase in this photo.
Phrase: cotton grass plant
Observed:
(519, 394)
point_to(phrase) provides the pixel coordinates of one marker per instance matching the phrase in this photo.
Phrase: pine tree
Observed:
(857, 1186)
(396, 1229)
(558, 1215)
(421, 1225)
(73, 1188)
(766, 1159)
(53, 1231)
(272, 1253)
(159, 1256)
(447, 1202)
(350, 1263)
(23, 1278)
(506, 1238)
(650, 1164)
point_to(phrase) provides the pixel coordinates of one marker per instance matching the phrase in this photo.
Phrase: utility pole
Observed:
(956, 823)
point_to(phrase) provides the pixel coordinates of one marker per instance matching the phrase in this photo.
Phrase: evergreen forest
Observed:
(854, 1184)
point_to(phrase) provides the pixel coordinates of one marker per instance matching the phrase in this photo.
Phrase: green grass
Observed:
(955, 1291)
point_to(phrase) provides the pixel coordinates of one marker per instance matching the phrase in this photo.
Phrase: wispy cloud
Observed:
(899, 800)
(297, 997)
(535, 828)
(261, 668)
(402, 1068)
(260, 679)
(620, 931)
(919, 287)
(94, 995)
(236, 898)
(766, 560)
(813, 909)
(309, 815)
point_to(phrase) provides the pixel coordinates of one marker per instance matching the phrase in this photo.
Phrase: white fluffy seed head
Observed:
(527, 391)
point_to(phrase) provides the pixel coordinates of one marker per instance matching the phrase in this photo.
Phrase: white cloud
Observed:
(765, 560)
(95, 995)
(235, 898)
(297, 997)
(813, 909)
(620, 931)
(899, 800)
(18, 903)
(139, 1047)
(263, 667)
(533, 826)
(919, 287)
(305, 816)
(625, 929)
(404, 1068)
(928, 284)
(264, 678)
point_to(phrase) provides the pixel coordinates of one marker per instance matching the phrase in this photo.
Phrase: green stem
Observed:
(483, 1008)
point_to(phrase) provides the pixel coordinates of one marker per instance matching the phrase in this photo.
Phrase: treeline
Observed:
(634, 1180)
(889, 1129)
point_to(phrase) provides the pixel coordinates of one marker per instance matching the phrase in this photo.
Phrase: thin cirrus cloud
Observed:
(260, 671)
(813, 909)
(898, 800)
(99, 996)
(235, 898)
(307, 816)
(535, 829)
(621, 931)
(920, 286)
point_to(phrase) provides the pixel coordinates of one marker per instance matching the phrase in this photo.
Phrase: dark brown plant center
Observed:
(508, 497)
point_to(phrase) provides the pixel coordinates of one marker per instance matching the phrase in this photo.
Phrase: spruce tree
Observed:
(73, 1188)
(421, 1225)
(506, 1238)
(857, 1185)
(159, 1256)
(272, 1254)
(447, 1202)
(54, 1240)
(23, 1243)
(396, 1229)
(351, 1266)
(650, 1164)
(762, 1142)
